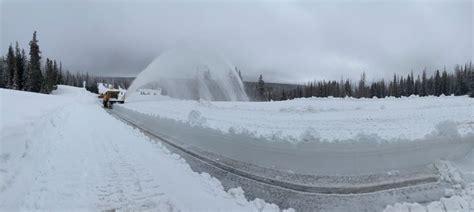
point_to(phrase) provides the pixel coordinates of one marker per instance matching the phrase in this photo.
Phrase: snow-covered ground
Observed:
(460, 198)
(326, 119)
(64, 152)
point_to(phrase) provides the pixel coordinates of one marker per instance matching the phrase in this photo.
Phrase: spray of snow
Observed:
(191, 73)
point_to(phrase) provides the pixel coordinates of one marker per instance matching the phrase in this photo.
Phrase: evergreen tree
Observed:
(410, 87)
(444, 83)
(35, 77)
(437, 83)
(11, 68)
(25, 69)
(261, 89)
(55, 74)
(283, 95)
(418, 86)
(19, 70)
(60, 79)
(347, 88)
(395, 90)
(362, 91)
(2, 72)
(471, 76)
(424, 86)
(462, 87)
(50, 78)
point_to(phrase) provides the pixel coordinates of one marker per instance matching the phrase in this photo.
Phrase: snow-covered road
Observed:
(62, 151)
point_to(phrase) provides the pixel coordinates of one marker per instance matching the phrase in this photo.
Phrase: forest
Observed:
(459, 81)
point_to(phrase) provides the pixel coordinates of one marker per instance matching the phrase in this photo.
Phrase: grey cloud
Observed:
(291, 41)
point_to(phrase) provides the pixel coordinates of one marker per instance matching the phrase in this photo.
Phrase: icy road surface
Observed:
(63, 152)
(327, 119)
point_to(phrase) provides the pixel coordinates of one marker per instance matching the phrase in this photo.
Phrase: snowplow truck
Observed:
(112, 96)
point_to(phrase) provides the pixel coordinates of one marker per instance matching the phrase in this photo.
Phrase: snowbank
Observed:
(326, 119)
(63, 152)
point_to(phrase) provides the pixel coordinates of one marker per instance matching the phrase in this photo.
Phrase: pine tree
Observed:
(444, 83)
(395, 90)
(19, 70)
(424, 86)
(11, 68)
(60, 79)
(2, 72)
(25, 69)
(55, 74)
(410, 87)
(471, 79)
(362, 92)
(51, 76)
(283, 95)
(347, 88)
(261, 89)
(35, 77)
(418, 86)
(437, 83)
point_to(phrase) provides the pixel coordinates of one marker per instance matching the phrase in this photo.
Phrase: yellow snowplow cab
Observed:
(112, 96)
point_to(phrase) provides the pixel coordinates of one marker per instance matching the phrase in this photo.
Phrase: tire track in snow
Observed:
(127, 184)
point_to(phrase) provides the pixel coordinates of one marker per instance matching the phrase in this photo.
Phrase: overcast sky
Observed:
(286, 41)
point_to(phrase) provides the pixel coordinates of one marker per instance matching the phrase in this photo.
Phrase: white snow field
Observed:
(64, 152)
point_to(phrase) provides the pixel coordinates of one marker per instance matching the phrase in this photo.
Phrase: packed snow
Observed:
(319, 119)
(63, 152)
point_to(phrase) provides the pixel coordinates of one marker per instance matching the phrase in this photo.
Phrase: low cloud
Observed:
(288, 41)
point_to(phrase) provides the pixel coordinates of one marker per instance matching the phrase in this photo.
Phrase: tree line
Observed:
(20, 71)
(458, 82)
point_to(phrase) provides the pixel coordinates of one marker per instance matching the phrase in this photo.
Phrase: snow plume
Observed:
(192, 73)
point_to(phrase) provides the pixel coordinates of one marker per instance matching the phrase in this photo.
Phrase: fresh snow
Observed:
(63, 152)
(324, 119)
